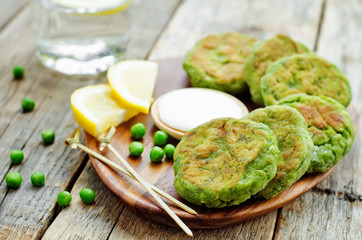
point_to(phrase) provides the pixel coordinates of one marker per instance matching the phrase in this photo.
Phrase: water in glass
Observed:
(80, 40)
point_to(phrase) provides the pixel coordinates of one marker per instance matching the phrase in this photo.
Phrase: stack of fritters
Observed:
(273, 68)
(330, 126)
(217, 62)
(264, 53)
(294, 143)
(304, 73)
(226, 161)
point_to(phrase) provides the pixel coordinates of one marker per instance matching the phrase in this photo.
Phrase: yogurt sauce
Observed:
(187, 108)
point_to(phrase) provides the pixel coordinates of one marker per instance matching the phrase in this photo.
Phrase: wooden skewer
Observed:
(106, 139)
(75, 135)
(73, 141)
(148, 188)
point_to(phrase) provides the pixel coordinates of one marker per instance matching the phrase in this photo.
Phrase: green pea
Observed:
(64, 198)
(28, 104)
(136, 149)
(13, 179)
(48, 136)
(16, 156)
(169, 150)
(87, 195)
(37, 179)
(160, 138)
(138, 131)
(156, 154)
(18, 72)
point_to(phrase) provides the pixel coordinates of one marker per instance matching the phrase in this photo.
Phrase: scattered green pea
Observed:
(16, 156)
(87, 195)
(64, 198)
(48, 136)
(169, 150)
(138, 131)
(28, 104)
(37, 179)
(160, 138)
(136, 149)
(156, 154)
(13, 179)
(18, 72)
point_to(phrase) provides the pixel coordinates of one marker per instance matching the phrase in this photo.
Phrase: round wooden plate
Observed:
(171, 76)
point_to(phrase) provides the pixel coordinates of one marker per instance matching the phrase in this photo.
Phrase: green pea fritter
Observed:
(217, 62)
(224, 161)
(264, 53)
(304, 73)
(330, 125)
(294, 143)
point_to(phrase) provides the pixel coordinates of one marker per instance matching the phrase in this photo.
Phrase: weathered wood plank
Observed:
(341, 42)
(317, 215)
(150, 17)
(57, 162)
(131, 226)
(26, 211)
(260, 19)
(87, 221)
(193, 20)
(334, 209)
(97, 220)
(8, 9)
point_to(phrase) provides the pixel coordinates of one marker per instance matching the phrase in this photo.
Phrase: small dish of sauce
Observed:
(181, 110)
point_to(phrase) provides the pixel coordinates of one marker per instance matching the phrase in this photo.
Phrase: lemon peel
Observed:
(100, 7)
(133, 83)
(95, 109)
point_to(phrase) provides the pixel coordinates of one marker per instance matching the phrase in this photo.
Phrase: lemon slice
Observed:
(95, 109)
(102, 7)
(133, 82)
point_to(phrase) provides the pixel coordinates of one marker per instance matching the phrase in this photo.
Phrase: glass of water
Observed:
(81, 36)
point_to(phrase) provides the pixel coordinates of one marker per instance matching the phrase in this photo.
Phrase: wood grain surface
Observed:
(338, 199)
(97, 221)
(9, 10)
(26, 212)
(164, 29)
(162, 176)
(51, 92)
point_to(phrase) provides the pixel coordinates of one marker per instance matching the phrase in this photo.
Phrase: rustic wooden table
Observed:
(333, 210)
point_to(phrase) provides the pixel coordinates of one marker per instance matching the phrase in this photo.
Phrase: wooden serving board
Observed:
(171, 76)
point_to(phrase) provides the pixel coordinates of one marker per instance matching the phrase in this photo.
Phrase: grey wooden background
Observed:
(333, 210)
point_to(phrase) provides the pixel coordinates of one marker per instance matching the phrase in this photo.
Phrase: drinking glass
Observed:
(81, 36)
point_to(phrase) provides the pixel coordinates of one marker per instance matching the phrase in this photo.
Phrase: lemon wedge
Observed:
(133, 83)
(100, 7)
(95, 109)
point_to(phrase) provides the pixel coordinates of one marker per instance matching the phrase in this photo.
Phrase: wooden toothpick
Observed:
(106, 139)
(73, 141)
(144, 183)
